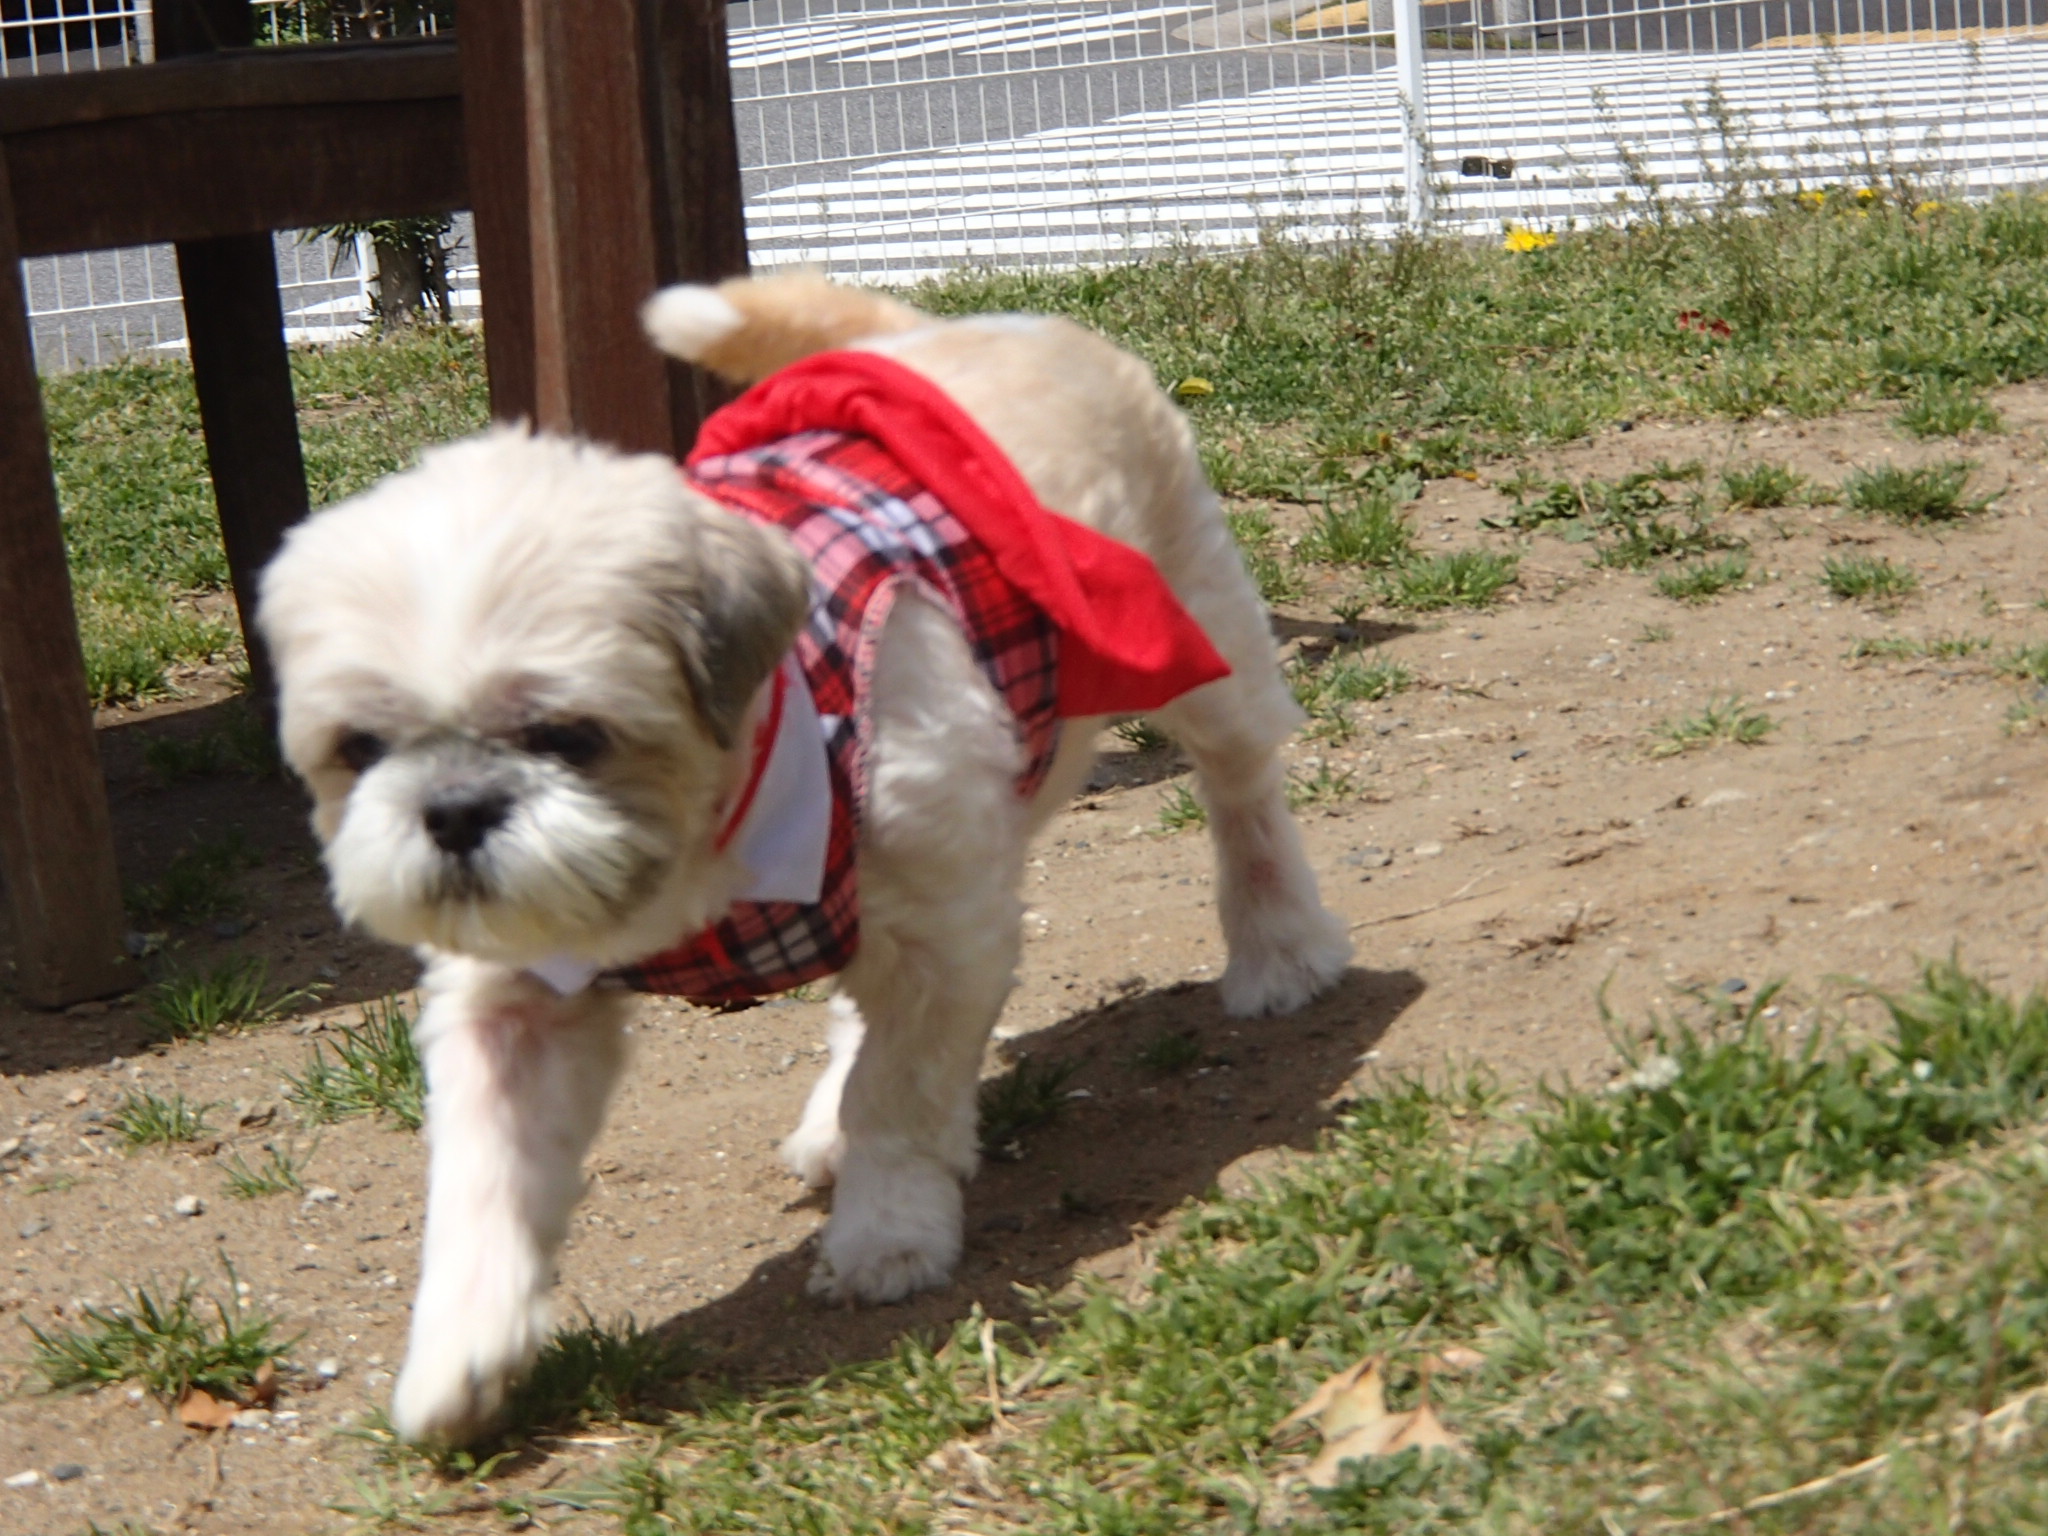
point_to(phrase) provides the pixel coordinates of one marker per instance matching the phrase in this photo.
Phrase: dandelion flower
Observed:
(1928, 209)
(1523, 239)
(1813, 199)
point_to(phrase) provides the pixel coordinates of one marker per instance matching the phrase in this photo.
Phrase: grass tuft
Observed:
(1179, 810)
(1703, 580)
(281, 1172)
(231, 996)
(147, 1120)
(1868, 579)
(1141, 735)
(1468, 578)
(1365, 530)
(164, 1343)
(599, 1373)
(1909, 648)
(1944, 408)
(375, 1070)
(1722, 720)
(1761, 486)
(1169, 1053)
(1932, 493)
(1031, 1094)
(198, 884)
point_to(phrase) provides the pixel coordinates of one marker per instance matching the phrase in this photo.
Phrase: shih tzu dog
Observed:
(578, 722)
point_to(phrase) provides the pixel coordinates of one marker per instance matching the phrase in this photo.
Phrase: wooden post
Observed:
(603, 163)
(57, 869)
(234, 324)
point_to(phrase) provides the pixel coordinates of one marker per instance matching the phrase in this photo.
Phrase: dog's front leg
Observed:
(517, 1082)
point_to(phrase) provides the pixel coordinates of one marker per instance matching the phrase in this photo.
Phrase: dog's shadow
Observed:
(1155, 1095)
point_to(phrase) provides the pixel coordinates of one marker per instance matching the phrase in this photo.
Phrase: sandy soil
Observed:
(1512, 846)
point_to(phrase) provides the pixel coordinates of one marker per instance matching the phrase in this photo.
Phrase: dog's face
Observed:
(514, 679)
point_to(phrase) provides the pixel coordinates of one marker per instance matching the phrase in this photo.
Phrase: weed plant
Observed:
(1909, 648)
(374, 1069)
(1265, 555)
(1868, 579)
(1944, 408)
(281, 1171)
(2029, 662)
(1703, 580)
(1171, 1053)
(1466, 578)
(1179, 810)
(231, 996)
(1031, 1094)
(1141, 735)
(1932, 493)
(1726, 720)
(149, 1120)
(162, 1342)
(199, 883)
(1364, 530)
(1761, 486)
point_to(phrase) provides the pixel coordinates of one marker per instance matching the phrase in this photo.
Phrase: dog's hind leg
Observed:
(1285, 946)
(942, 854)
(517, 1083)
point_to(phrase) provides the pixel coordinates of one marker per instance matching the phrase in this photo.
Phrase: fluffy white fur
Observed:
(452, 643)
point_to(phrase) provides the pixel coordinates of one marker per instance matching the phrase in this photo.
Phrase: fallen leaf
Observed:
(263, 1389)
(198, 1409)
(1424, 1431)
(1357, 1407)
(1323, 1395)
(1374, 1439)
(1456, 1359)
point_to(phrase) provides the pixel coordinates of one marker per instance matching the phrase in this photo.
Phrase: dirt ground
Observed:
(1511, 847)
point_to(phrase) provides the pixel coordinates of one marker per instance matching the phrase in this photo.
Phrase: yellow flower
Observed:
(1868, 194)
(1521, 239)
(1928, 208)
(1813, 199)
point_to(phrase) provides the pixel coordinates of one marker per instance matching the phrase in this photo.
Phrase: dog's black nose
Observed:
(459, 820)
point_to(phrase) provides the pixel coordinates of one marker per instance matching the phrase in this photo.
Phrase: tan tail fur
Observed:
(747, 327)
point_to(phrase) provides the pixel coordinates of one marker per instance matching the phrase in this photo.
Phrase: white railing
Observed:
(891, 139)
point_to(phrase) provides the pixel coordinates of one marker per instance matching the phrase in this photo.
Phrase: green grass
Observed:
(374, 1069)
(2029, 662)
(1265, 555)
(281, 1171)
(1326, 786)
(1867, 579)
(1179, 810)
(1702, 580)
(1721, 720)
(199, 883)
(1031, 1094)
(1943, 408)
(1932, 493)
(1326, 687)
(146, 1119)
(1467, 578)
(231, 996)
(1349, 365)
(1141, 735)
(164, 1342)
(1761, 486)
(1362, 530)
(1913, 648)
(1754, 1261)
(239, 744)
(137, 503)
(1170, 1053)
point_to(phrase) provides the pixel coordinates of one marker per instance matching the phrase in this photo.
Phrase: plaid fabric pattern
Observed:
(869, 533)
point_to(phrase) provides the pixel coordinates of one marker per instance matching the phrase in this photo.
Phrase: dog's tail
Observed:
(747, 327)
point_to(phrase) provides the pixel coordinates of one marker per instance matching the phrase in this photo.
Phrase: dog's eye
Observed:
(359, 749)
(578, 743)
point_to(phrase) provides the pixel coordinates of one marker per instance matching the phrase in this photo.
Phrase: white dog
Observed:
(526, 682)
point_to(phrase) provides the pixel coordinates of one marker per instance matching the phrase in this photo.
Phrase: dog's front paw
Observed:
(895, 1230)
(462, 1362)
(1277, 967)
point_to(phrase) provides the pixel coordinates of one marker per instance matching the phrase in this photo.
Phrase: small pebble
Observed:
(187, 1205)
(1517, 755)
(75, 1097)
(251, 1418)
(10, 1146)
(231, 928)
(320, 1194)
(1368, 858)
(66, 1472)
(1427, 850)
(327, 1369)
(1733, 985)
(35, 1226)
(1604, 659)
(26, 1479)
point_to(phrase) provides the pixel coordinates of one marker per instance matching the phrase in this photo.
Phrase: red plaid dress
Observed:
(870, 532)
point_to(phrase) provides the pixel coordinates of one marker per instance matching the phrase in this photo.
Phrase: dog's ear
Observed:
(733, 606)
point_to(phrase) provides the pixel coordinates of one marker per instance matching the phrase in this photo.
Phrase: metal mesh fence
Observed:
(891, 139)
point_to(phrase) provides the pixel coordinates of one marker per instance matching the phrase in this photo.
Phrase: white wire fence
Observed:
(891, 139)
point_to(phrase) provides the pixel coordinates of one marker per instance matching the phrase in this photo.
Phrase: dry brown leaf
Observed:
(1456, 1359)
(1425, 1431)
(263, 1388)
(1357, 1407)
(1323, 1395)
(198, 1409)
(1376, 1438)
